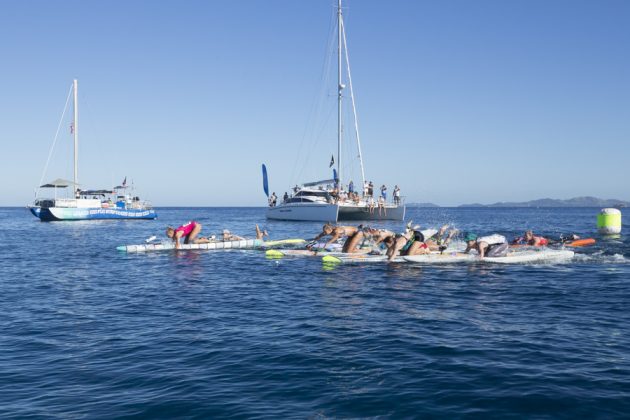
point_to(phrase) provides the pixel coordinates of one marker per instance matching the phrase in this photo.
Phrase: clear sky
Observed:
(459, 101)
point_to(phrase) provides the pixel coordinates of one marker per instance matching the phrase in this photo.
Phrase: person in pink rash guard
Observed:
(189, 231)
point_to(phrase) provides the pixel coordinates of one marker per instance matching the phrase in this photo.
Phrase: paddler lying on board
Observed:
(530, 239)
(336, 232)
(229, 236)
(490, 246)
(189, 232)
(365, 236)
(417, 242)
(572, 240)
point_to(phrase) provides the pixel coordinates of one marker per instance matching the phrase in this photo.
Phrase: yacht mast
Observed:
(75, 130)
(339, 89)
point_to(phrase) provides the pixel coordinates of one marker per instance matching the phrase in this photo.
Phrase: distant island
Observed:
(551, 202)
(421, 205)
(545, 202)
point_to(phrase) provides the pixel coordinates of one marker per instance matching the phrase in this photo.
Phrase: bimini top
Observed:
(96, 192)
(314, 184)
(58, 183)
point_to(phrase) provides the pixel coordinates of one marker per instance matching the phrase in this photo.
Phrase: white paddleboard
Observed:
(358, 258)
(244, 244)
(281, 242)
(534, 256)
(519, 257)
(279, 253)
(437, 258)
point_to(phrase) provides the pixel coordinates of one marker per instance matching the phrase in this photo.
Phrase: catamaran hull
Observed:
(304, 212)
(332, 213)
(363, 213)
(53, 214)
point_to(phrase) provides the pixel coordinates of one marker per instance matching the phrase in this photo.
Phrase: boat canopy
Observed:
(96, 192)
(313, 184)
(58, 183)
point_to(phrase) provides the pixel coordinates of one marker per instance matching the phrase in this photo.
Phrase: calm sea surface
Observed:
(87, 331)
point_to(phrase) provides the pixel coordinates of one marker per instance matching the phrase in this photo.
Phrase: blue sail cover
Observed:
(265, 180)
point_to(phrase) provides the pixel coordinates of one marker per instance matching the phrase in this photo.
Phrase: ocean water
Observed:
(87, 331)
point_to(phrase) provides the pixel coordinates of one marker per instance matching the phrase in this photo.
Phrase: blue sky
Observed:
(459, 101)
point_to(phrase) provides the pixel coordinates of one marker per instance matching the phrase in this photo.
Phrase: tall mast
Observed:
(75, 129)
(339, 89)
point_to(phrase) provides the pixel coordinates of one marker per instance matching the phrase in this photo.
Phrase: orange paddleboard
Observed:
(581, 242)
(573, 244)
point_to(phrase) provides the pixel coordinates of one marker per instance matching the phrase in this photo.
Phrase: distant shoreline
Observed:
(543, 202)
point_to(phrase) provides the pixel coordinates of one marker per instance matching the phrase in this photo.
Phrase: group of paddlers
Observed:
(413, 241)
(417, 241)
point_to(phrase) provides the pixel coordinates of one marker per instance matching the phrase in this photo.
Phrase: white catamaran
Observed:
(328, 200)
(115, 203)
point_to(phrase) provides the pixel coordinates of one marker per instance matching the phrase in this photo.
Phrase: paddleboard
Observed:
(275, 253)
(280, 253)
(281, 242)
(437, 258)
(358, 258)
(321, 246)
(581, 242)
(522, 257)
(244, 244)
(573, 244)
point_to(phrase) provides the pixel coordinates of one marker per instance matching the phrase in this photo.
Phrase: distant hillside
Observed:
(421, 205)
(551, 202)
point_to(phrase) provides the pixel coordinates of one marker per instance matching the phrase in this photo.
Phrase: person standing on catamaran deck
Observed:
(381, 206)
(189, 232)
(396, 195)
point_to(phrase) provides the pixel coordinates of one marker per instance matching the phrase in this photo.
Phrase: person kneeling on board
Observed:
(365, 236)
(336, 232)
(417, 242)
(530, 239)
(189, 232)
(490, 246)
(412, 242)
